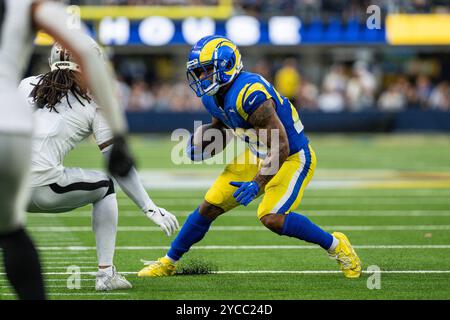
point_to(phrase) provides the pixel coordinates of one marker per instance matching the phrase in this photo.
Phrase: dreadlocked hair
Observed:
(56, 85)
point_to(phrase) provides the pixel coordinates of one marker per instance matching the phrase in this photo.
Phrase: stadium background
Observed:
(375, 104)
(322, 56)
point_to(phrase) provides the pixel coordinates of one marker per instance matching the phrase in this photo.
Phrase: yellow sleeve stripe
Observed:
(279, 97)
(245, 93)
(256, 87)
(239, 101)
(295, 116)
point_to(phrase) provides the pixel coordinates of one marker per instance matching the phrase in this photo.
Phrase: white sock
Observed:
(104, 224)
(334, 244)
(170, 259)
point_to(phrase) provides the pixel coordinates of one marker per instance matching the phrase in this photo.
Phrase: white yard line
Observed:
(55, 294)
(59, 259)
(57, 253)
(250, 213)
(350, 201)
(278, 272)
(379, 213)
(254, 247)
(245, 228)
(366, 194)
(329, 271)
(70, 262)
(87, 266)
(346, 198)
(55, 280)
(63, 244)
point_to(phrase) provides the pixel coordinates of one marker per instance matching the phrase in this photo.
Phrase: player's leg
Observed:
(194, 229)
(77, 188)
(218, 200)
(284, 193)
(19, 254)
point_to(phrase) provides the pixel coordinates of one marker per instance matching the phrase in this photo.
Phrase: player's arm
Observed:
(271, 132)
(131, 183)
(52, 18)
(208, 140)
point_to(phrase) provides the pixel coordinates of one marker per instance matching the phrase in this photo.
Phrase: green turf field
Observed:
(389, 193)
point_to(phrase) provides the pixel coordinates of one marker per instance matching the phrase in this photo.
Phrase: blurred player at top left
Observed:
(19, 21)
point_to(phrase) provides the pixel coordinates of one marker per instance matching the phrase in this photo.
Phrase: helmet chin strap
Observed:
(213, 91)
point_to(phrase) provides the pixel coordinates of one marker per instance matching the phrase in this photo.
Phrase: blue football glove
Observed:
(246, 192)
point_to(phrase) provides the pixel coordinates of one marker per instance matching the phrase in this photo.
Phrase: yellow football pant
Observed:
(282, 194)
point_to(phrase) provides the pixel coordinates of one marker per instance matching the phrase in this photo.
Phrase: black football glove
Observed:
(120, 160)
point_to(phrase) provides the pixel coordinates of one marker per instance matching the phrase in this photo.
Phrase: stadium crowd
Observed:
(349, 86)
(343, 87)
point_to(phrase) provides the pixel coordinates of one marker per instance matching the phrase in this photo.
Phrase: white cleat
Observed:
(107, 282)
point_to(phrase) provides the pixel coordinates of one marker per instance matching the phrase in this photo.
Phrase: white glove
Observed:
(163, 218)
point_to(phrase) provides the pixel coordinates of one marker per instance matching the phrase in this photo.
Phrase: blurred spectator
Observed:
(182, 98)
(307, 96)
(330, 100)
(124, 92)
(408, 91)
(392, 99)
(141, 98)
(132, 68)
(263, 68)
(287, 79)
(162, 93)
(440, 97)
(361, 87)
(423, 90)
(336, 79)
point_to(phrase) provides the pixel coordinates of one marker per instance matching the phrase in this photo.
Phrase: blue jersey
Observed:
(246, 94)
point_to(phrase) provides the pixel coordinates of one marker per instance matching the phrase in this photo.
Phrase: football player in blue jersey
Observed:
(278, 164)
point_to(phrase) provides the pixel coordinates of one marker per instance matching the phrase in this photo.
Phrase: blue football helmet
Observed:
(214, 61)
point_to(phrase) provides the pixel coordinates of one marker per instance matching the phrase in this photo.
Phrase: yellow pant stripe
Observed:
(308, 178)
(284, 192)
